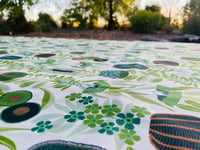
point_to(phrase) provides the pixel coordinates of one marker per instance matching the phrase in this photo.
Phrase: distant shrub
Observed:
(192, 25)
(4, 28)
(145, 21)
(63, 25)
(164, 22)
(45, 23)
(167, 28)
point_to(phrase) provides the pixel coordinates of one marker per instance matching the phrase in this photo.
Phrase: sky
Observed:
(57, 7)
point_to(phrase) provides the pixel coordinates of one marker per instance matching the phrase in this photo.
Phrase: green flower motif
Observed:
(94, 109)
(129, 136)
(73, 116)
(42, 126)
(128, 120)
(93, 120)
(110, 110)
(86, 100)
(108, 128)
(73, 96)
(140, 111)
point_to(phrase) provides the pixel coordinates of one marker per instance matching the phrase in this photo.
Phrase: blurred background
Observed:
(136, 16)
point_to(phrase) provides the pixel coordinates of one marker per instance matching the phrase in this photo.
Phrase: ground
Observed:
(121, 35)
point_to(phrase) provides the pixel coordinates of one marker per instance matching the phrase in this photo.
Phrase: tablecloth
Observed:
(88, 94)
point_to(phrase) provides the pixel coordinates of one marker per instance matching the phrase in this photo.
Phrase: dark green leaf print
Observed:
(11, 75)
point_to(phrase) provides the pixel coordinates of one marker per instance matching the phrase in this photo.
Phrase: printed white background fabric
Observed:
(115, 95)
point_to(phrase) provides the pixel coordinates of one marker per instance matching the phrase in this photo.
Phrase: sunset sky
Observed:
(56, 7)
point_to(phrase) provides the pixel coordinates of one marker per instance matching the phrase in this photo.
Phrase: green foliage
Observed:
(45, 23)
(115, 24)
(145, 21)
(113, 7)
(192, 8)
(167, 28)
(175, 24)
(192, 18)
(63, 25)
(164, 22)
(9, 4)
(1, 17)
(75, 15)
(3, 26)
(87, 13)
(153, 8)
(191, 26)
(16, 21)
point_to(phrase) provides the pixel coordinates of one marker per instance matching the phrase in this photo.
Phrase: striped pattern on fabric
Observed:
(169, 132)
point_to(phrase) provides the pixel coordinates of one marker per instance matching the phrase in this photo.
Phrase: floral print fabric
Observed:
(102, 93)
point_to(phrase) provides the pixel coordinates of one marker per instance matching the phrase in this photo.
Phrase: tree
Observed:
(75, 14)
(8, 4)
(16, 21)
(153, 8)
(94, 9)
(192, 17)
(192, 8)
(117, 6)
(45, 23)
(171, 8)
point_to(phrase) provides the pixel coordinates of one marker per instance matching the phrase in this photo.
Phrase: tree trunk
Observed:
(170, 16)
(110, 22)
